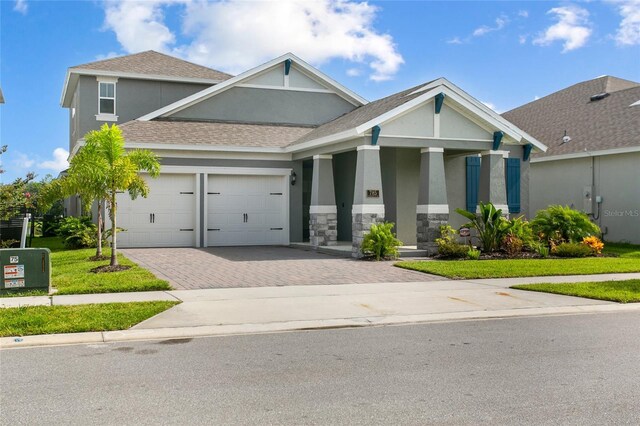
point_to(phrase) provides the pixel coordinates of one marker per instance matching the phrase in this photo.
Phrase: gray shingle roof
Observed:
(155, 63)
(211, 133)
(362, 114)
(592, 125)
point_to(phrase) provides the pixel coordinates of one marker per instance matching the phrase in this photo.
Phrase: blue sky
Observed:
(503, 53)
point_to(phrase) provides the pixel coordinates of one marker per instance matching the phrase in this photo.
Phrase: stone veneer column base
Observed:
(361, 224)
(323, 229)
(428, 229)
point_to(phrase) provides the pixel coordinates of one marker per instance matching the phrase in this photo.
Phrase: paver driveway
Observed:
(224, 267)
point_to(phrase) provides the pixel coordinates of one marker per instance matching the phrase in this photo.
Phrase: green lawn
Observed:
(620, 258)
(615, 291)
(31, 320)
(70, 272)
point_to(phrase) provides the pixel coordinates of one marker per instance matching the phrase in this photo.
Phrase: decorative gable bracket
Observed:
(439, 101)
(497, 139)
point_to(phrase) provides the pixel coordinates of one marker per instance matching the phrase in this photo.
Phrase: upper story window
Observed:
(107, 102)
(107, 99)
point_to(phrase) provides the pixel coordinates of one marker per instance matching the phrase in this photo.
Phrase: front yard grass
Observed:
(614, 291)
(70, 272)
(29, 320)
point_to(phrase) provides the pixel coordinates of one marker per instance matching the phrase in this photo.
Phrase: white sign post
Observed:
(25, 229)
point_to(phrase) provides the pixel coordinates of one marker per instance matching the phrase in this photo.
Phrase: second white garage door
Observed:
(246, 210)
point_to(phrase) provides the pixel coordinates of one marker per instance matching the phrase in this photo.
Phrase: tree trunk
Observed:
(114, 245)
(99, 248)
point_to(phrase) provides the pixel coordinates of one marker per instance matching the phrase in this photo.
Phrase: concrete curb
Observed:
(304, 325)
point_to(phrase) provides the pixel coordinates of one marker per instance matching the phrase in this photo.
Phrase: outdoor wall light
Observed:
(294, 177)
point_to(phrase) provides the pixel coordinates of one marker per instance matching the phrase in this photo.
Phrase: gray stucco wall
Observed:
(295, 191)
(344, 175)
(268, 106)
(615, 178)
(134, 98)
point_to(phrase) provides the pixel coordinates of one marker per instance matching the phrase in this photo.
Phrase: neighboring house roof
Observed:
(608, 123)
(210, 134)
(360, 121)
(150, 65)
(207, 93)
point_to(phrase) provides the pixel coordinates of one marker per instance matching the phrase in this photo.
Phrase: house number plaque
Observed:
(373, 193)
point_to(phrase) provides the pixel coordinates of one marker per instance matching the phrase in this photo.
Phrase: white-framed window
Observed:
(106, 98)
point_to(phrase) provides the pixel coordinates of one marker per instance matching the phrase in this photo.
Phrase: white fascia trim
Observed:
(283, 88)
(432, 209)
(423, 150)
(323, 157)
(208, 148)
(105, 79)
(505, 154)
(325, 140)
(368, 209)
(213, 170)
(323, 209)
(434, 138)
(635, 103)
(368, 148)
(585, 154)
(227, 84)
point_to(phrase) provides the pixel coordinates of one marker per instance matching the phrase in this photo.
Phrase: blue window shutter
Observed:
(513, 184)
(473, 183)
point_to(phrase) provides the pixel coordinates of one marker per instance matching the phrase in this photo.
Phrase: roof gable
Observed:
(301, 73)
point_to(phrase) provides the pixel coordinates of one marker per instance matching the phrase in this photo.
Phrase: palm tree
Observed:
(110, 169)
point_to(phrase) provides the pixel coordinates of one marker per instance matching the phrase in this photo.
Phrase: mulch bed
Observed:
(109, 268)
(99, 258)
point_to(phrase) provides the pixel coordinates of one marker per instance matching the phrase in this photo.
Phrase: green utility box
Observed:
(25, 269)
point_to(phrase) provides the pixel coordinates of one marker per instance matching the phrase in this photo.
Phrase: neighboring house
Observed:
(282, 153)
(592, 130)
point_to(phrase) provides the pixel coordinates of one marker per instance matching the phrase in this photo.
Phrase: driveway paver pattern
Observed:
(264, 266)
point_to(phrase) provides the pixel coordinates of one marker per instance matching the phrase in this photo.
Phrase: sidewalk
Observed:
(271, 309)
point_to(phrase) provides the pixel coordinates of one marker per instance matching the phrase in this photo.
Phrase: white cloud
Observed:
(21, 6)
(235, 35)
(629, 30)
(109, 55)
(22, 161)
(522, 39)
(354, 72)
(573, 27)
(523, 13)
(500, 22)
(455, 40)
(59, 161)
(492, 106)
(536, 97)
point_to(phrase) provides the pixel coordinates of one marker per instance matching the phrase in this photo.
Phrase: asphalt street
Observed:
(579, 369)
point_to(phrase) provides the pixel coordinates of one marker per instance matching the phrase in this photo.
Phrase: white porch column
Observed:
(493, 186)
(368, 204)
(432, 209)
(323, 218)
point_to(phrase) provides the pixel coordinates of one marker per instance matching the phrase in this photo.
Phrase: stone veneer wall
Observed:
(428, 229)
(323, 229)
(361, 225)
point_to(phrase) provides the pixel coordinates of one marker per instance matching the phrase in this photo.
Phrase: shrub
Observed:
(594, 244)
(490, 226)
(78, 232)
(522, 229)
(512, 244)
(558, 224)
(473, 254)
(448, 246)
(9, 243)
(541, 249)
(381, 242)
(572, 250)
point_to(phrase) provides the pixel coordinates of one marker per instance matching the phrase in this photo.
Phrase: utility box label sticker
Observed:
(14, 283)
(13, 271)
(14, 259)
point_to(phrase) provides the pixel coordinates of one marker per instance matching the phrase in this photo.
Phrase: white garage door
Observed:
(246, 210)
(166, 218)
